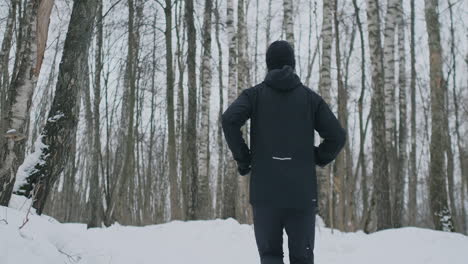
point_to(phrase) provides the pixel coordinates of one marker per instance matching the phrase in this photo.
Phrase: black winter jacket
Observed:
(284, 114)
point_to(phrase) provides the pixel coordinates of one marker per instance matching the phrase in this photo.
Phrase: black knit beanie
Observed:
(278, 54)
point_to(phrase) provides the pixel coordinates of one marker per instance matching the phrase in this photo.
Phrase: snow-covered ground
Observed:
(44, 240)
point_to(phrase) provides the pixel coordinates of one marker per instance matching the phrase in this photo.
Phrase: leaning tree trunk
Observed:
(204, 204)
(288, 21)
(230, 177)
(379, 154)
(60, 129)
(190, 172)
(35, 27)
(441, 215)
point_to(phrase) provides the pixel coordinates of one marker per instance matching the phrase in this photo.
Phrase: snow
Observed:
(29, 163)
(44, 240)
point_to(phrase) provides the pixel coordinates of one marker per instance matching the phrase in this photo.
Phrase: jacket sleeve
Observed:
(233, 119)
(334, 136)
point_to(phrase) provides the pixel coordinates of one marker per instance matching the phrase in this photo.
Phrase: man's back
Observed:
(284, 114)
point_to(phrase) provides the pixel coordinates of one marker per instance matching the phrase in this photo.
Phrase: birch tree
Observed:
(398, 198)
(190, 172)
(288, 21)
(60, 129)
(230, 178)
(389, 86)
(204, 204)
(323, 175)
(243, 212)
(379, 153)
(34, 32)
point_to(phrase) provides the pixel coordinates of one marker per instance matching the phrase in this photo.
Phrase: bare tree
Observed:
(96, 208)
(413, 176)
(204, 204)
(60, 130)
(323, 175)
(379, 153)
(288, 21)
(34, 29)
(230, 177)
(440, 211)
(190, 172)
(398, 198)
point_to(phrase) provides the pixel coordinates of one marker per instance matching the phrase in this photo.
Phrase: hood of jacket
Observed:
(284, 79)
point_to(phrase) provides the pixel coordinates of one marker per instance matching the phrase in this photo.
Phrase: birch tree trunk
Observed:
(288, 21)
(60, 129)
(398, 199)
(389, 86)
(220, 138)
(230, 178)
(339, 176)
(243, 213)
(190, 172)
(204, 203)
(4, 60)
(441, 215)
(323, 175)
(379, 154)
(20, 94)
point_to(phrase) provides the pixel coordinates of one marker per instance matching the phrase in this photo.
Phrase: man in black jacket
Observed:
(283, 185)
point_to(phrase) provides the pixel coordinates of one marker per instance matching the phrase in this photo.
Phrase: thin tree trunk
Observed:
(243, 210)
(204, 203)
(323, 175)
(288, 21)
(176, 205)
(361, 159)
(413, 176)
(190, 172)
(96, 207)
(389, 86)
(340, 188)
(221, 149)
(230, 177)
(398, 202)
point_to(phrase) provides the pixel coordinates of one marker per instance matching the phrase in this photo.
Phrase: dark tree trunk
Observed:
(60, 129)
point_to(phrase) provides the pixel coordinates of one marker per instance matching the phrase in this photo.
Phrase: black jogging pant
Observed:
(300, 228)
